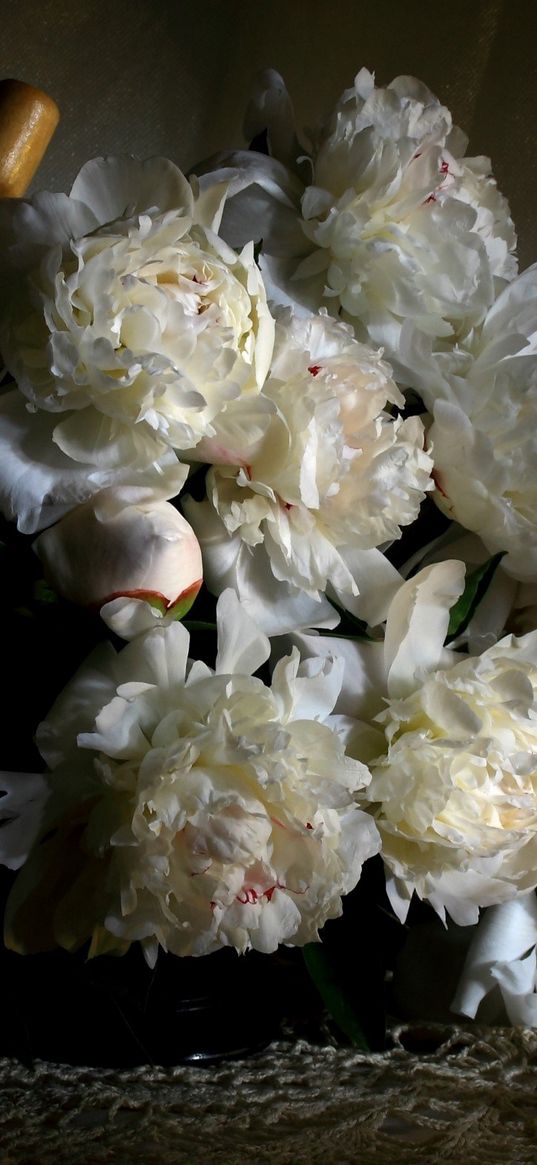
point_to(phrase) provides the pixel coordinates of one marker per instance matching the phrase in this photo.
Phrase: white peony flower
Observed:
(334, 478)
(130, 327)
(397, 230)
(111, 547)
(485, 431)
(452, 755)
(458, 785)
(192, 808)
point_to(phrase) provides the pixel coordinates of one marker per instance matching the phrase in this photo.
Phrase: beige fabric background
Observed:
(173, 76)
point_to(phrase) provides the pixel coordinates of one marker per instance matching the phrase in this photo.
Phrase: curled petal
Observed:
(417, 625)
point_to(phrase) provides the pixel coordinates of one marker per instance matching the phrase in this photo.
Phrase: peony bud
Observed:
(105, 549)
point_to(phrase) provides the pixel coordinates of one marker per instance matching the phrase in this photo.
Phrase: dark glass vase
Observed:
(118, 1012)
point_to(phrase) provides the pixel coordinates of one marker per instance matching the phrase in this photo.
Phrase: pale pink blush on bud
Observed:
(104, 550)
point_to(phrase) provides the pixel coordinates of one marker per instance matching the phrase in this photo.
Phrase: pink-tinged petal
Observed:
(146, 551)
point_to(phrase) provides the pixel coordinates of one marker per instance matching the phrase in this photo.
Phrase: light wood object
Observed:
(28, 118)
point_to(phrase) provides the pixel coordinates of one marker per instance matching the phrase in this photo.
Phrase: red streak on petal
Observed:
(314, 369)
(449, 507)
(148, 595)
(140, 593)
(431, 198)
(188, 591)
(444, 168)
(309, 825)
(248, 895)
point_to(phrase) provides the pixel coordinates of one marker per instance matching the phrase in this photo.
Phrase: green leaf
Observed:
(323, 973)
(43, 593)
(476, 587)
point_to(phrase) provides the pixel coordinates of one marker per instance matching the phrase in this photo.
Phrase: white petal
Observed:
(262, 203)
(364, 683)
(117, 187)
(21, 811)
(504, 935)
(271, 109)
(378, 582)
(242, 648)
(39, 484)
(130, 617)
(28, 225)
(317, 688)
(417, 624)
(77, 706)
(276, 607)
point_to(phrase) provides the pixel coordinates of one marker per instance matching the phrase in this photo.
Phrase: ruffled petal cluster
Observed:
(407, 229)
(193, 809)
(335, 477)
(485, 431)
(393, 229)
(131, 327)
(458, 784)
(451, 742)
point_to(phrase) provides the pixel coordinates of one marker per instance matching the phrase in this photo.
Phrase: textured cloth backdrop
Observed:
(173, 76)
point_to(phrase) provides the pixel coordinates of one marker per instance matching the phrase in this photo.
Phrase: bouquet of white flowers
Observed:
(274, 426)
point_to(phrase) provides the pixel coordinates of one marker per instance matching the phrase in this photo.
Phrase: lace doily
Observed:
(471, 1101)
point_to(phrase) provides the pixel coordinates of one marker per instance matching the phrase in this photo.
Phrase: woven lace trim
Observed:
(471, 1100)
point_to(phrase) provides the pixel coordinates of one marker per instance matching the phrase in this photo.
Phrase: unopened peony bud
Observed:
(102, 550)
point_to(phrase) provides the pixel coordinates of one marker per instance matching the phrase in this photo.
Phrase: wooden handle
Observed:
(28, 118)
